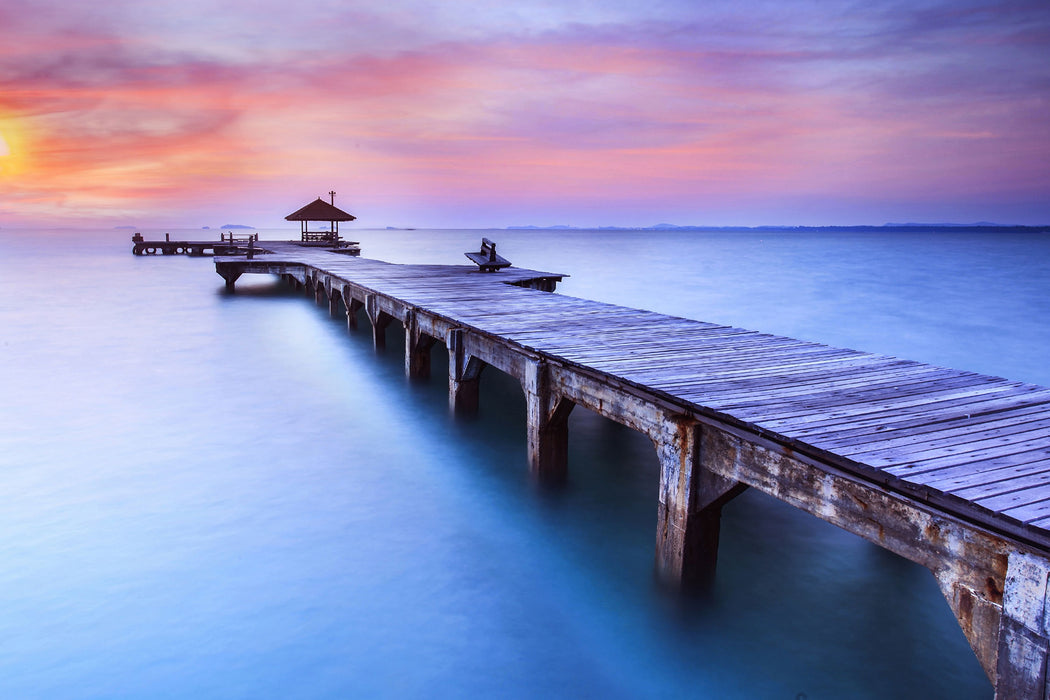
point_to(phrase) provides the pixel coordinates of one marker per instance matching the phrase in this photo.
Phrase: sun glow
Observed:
(5, 150)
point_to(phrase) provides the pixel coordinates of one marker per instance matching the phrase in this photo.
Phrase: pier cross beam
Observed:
(995, 586)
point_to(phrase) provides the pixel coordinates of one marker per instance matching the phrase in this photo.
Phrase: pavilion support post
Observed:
(548, 425)
(690, 506)
(417, 347)
(464, 375)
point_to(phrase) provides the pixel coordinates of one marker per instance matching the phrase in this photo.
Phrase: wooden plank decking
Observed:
(981, 444)
(961, 448)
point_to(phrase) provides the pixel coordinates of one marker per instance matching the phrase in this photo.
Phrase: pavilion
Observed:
(320, 210)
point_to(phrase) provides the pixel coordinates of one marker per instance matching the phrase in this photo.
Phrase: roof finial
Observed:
(331, 193)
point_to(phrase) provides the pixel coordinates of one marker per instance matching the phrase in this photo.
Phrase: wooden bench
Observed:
(487, 259)
(319, 237)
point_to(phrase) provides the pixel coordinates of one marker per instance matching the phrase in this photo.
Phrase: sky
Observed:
(492, 113)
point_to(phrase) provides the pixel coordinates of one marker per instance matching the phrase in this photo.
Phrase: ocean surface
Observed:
(210, 495)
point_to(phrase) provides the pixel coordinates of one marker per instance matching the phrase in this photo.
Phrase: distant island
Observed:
(891, 227)
(235, 226)
(129, 227)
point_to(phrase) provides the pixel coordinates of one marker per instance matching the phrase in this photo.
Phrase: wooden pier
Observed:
(946, 468)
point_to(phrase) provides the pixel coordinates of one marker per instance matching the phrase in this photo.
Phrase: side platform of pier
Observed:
(948, 469)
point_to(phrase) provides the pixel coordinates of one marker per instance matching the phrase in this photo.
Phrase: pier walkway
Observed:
(949, 469)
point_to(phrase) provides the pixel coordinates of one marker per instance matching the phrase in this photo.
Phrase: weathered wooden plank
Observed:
(963, 448)
(1002, 431)
(1030, 512)
(982, 471)
(1001, 457)
(1023, 496)
(1040, 476)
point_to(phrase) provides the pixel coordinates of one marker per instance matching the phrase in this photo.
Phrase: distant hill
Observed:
(236, 226)
(980, 226)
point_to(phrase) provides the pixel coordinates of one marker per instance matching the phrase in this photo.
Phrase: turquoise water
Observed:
(232, 497)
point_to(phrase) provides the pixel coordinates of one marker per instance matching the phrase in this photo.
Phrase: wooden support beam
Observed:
(464, 374)
(969, 562)
(417, 347)
(229, 272)
(380, 320)
(333, 297)
(548, 424)
(1024, 630)
(752, 427)
(690, 504)
(352, 306)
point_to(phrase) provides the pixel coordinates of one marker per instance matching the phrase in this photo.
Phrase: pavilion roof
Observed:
(320, 210)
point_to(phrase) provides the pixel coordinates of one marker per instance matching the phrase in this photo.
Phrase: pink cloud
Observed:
(680, 119)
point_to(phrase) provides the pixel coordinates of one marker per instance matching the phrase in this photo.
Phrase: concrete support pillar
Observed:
(548, 425)
(464, 375)
(380, 320)
(1024, 630)
(417, 348)
(690, 508)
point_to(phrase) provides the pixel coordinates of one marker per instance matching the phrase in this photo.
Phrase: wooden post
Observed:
(229, 272)
(690, 507)
(417, 347)
(352, 307)
(1024, 630)
(380, 320)
(548, 425)
(464, 375)
(333, 298)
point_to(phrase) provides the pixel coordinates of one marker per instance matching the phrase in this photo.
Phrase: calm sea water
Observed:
(229, 496)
